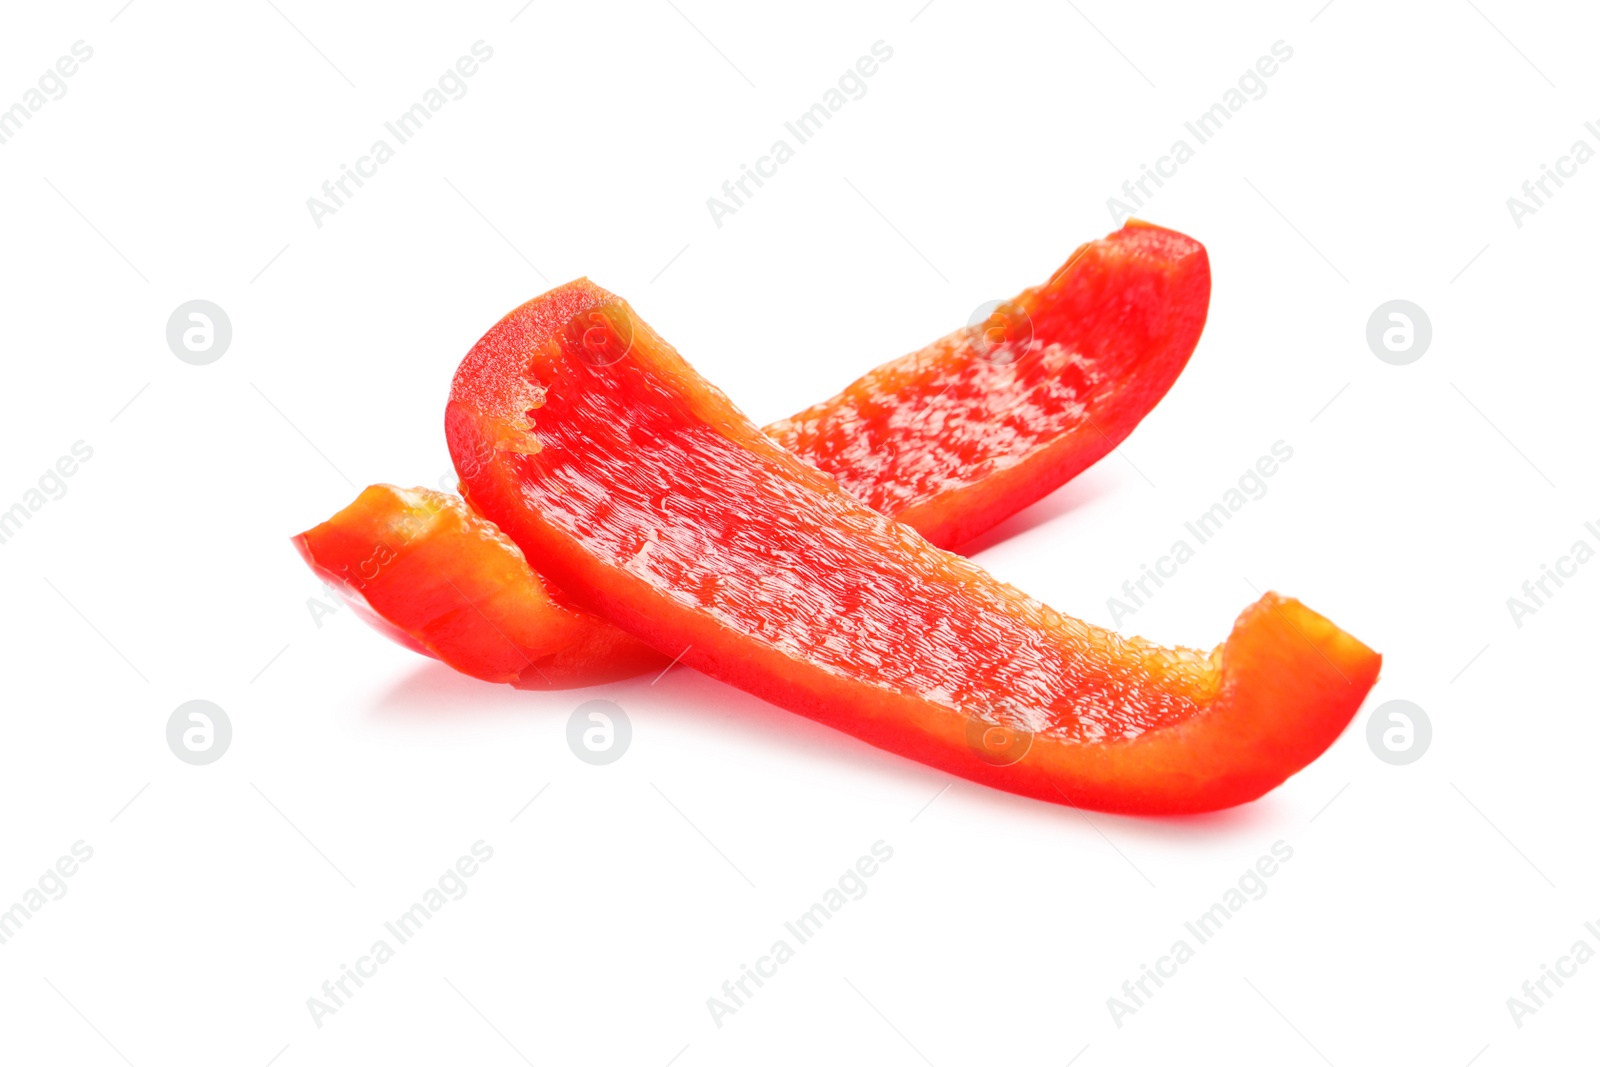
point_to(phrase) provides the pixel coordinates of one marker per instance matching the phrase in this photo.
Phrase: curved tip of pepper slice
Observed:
(934, 656)
(1288, 682)
(465, 592)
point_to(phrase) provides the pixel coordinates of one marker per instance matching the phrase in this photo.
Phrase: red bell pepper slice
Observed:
(427, 571)
(951, 440)
(957, 437)
(640, 489)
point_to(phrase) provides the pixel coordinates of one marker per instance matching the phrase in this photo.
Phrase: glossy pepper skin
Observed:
(641, 490)
(951, 439)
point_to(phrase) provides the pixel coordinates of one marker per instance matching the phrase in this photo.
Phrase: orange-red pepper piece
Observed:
(951, 439)
(643, 492)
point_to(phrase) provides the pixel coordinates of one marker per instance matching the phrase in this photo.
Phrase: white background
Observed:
(1419, 499)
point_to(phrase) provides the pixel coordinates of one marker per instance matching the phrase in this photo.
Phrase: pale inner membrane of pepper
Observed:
(895, 447)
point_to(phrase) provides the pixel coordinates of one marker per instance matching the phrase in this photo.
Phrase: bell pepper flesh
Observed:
(422, 568)
(959, 436)
(951, 439)
(640, 489)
